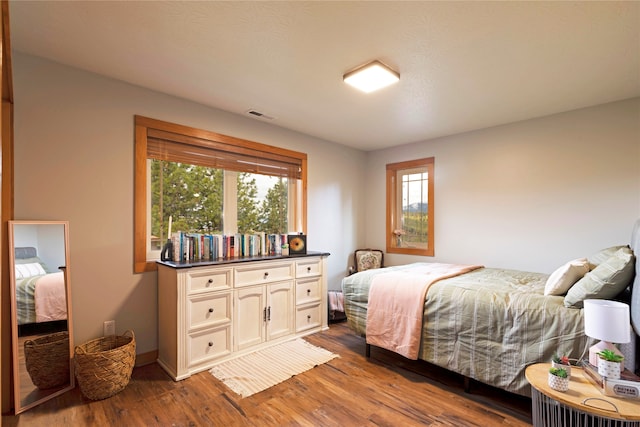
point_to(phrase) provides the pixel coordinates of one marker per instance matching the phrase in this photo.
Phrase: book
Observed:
(628, 386)
(190, 247)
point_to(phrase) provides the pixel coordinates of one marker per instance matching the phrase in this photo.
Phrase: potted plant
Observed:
(558, 379)
(609, 364)
(558, 361)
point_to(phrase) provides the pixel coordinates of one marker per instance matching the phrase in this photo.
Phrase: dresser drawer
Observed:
(308, 290)
(205, 280)
(208, 345)
(308, 267)
(264, 273)
(208, 310)
(308, 317)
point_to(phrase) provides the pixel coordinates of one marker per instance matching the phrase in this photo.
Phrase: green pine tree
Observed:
(274, 209)
(248, 206)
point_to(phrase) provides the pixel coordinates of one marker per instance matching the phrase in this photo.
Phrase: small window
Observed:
(410, 207)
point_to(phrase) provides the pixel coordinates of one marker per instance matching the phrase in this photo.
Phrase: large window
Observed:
(203, 182)
(410, 207)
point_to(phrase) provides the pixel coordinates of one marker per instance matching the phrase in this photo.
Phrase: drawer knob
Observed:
(308, 317)
(308, 269)
(210, 343)
(211, 310)
(266, 274)
(308, 291)
(210, 281)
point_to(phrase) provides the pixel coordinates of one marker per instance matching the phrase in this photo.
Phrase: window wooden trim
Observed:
(392, 203)
(145, 127)
(174, 147)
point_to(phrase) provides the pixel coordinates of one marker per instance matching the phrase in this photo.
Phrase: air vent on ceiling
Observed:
(259, 114)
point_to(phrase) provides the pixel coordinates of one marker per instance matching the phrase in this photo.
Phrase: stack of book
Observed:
(190, 247)
(628, 386)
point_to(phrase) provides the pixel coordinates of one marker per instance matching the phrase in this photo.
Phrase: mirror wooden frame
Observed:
(26, 394)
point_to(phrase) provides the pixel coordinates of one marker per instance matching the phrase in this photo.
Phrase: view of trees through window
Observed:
(207, 183)
(193, 196)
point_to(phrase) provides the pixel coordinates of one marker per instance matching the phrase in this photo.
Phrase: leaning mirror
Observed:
(42, 336)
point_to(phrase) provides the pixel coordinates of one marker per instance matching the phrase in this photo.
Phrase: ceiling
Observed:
(463, 65)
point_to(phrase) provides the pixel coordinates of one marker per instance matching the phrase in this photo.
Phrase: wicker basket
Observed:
(104, 365)
(47, 359)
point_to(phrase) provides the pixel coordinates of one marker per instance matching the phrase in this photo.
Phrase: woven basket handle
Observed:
(80, 349)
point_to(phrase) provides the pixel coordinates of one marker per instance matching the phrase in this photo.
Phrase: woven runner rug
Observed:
(257, 371)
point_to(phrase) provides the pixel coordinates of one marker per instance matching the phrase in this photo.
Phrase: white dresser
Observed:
(209, 312)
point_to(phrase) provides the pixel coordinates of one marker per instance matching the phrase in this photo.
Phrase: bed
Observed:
(489, 324)
(40, 294)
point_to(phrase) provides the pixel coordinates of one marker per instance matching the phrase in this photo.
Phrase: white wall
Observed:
(48, 239)
(74, 160)
(529, 195)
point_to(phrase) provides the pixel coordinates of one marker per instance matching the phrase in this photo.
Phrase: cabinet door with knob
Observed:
(249, 329)
(263, 302)
(263, 313)
(280, 310)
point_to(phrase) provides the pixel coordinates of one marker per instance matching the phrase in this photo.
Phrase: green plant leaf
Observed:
(558, 372)
(610, 356)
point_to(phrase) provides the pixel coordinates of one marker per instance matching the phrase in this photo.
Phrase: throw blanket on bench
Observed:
(396, 305)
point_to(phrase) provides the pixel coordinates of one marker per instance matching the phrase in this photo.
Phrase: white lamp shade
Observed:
(607, 320)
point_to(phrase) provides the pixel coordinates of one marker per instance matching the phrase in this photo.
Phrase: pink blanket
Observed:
(50, 298)
(396, 305)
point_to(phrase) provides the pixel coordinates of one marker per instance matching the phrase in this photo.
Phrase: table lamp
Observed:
(607, 321)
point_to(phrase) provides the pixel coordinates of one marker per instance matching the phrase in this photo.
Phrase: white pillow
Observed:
(564, 277)
(27, 270)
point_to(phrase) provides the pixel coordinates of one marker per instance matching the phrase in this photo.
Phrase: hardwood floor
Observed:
(386, 390)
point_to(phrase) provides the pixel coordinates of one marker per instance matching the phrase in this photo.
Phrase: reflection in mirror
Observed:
(42, 338)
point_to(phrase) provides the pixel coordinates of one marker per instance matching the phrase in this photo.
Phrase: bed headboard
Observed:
(635, 289)
(25, 252)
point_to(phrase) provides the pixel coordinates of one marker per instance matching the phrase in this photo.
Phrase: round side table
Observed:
(582, 405)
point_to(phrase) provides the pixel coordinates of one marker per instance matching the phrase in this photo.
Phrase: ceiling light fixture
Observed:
(372, 76)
